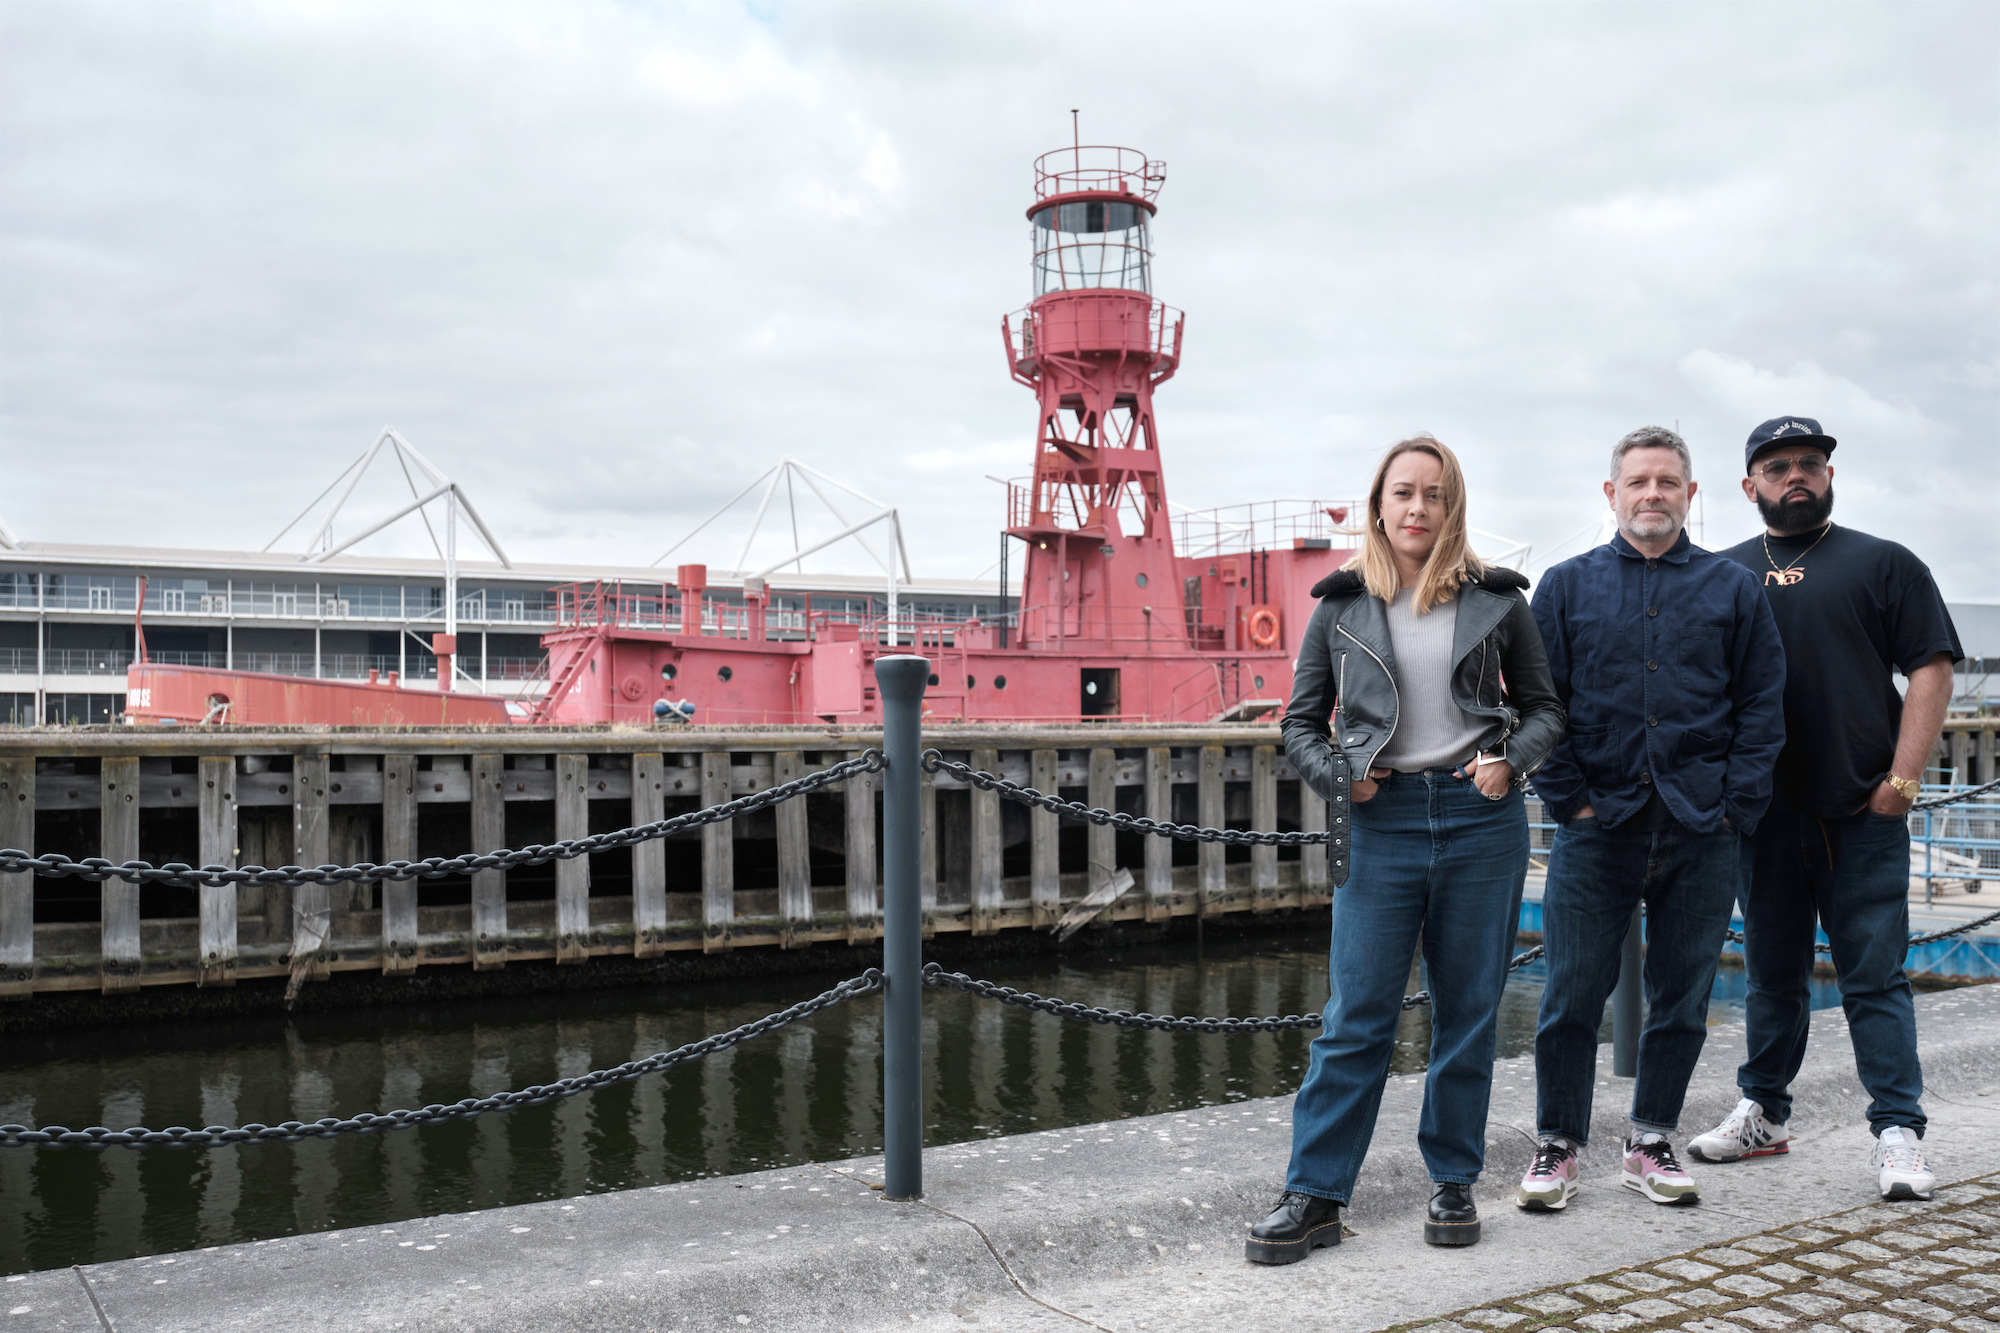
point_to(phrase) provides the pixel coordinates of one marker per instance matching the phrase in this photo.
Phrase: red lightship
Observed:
(1115, 623)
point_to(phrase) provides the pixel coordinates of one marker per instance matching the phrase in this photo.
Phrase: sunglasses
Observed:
(1811, 465)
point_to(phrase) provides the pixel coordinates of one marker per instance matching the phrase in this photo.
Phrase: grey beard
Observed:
(1796, 515)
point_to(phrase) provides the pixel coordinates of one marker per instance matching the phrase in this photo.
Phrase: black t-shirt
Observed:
(1852, 609)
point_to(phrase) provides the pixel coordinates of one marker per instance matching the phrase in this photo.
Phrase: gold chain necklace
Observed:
(1787, 575)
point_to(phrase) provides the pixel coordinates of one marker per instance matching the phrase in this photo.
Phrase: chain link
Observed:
(294, 1131)
(934, 762)
(935, 975)
(1953, 798)
(96, 868)
(1928, 937)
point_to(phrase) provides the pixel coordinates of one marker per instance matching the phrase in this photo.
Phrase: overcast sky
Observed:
(606, 263)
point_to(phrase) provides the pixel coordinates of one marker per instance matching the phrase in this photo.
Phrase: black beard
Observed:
(1800, 515)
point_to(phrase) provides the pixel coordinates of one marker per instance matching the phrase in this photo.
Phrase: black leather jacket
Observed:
(1500, 671)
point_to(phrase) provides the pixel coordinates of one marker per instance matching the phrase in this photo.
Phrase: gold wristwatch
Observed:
(1907, 788)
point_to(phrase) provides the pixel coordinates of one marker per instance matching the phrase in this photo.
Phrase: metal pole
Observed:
(901, 677)
(1626, 1013)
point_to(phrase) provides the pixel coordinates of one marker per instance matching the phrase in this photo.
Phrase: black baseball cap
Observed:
(1780, 431)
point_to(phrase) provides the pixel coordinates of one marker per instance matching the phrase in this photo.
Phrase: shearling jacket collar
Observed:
(1497, 579)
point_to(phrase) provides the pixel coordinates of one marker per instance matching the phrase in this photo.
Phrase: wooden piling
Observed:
(118, 841)
(216, 963)
(489, 887)
(1159, 851)
(1044, 846)
(718, 859)
(795, 899)
(649, 859)
(399, 843)
(17, 892)
(986, 858)
(927, 869)
(1212, 884)
(1263, 815)
(1102, 794)
(863, 898)
(1313, 881)
(312, 910)
(572, 875)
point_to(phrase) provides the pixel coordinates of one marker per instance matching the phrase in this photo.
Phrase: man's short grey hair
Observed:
(1652, 437)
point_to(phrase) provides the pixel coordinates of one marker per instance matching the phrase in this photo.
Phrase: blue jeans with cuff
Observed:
(1851, 876)
(1438, 861)
(1689, 883)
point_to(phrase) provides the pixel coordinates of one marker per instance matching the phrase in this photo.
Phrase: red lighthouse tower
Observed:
(1093, 344)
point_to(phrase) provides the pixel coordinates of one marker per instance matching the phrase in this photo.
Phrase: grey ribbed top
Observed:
(1432, 731)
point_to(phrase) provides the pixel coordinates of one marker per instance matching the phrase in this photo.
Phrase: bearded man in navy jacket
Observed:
(1669, 663)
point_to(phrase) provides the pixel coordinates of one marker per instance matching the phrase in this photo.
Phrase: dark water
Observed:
(809, 1092)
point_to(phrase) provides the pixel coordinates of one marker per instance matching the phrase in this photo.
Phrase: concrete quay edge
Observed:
(1090, 1226)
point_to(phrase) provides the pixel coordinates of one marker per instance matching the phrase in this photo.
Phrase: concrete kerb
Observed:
(1061, 1211)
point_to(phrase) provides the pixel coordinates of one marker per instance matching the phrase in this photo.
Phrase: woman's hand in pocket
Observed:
(1493, 778)
(1365, 788)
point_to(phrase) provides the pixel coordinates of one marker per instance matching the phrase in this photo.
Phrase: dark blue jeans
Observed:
(1851, 876)
(1433, 860)
(1689, 883)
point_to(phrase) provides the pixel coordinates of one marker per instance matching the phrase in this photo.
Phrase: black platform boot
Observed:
(1453, 1218)
(1300, 1224)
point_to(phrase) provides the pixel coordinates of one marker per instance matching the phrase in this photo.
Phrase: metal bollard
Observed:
(901, 679)
(1627, 1014)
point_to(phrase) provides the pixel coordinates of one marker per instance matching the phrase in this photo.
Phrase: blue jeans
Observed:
(1433, 860)
(1852, 876)
(1597, 875)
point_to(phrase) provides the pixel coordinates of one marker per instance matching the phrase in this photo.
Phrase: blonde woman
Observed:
(1430, 666)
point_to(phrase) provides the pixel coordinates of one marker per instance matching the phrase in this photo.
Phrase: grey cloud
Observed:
(606, 264)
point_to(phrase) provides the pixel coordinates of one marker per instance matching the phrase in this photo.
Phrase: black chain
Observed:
(1125, 1018)
(293, 1131)
(142, 872)
(935, 762)
(1953, 798)
(1928, 937)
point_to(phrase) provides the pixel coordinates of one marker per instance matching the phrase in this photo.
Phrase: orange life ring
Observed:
(1263, 627)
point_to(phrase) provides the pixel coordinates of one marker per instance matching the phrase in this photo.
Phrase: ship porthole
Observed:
(1257, 681)
(1140, 580)
(723, 673)
(933, 677)
(999, 682)
(970, 682)
(668, 672)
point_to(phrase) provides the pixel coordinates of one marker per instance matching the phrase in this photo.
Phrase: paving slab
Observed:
(56, 1300)
(1133, 1224)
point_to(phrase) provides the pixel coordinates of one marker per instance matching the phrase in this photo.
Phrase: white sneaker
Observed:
(1904, 1172)
(1745, 1133)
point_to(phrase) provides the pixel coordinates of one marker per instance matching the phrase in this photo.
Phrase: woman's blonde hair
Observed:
(1452, 562)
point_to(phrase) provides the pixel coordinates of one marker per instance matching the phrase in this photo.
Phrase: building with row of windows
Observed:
(70, 616)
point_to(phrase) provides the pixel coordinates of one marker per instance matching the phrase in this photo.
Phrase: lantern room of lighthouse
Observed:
(1093, 344)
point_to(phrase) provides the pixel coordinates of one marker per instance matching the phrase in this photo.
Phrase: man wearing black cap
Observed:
(1835, 847)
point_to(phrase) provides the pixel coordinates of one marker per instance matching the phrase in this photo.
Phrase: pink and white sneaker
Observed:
(1551, 1181)
(1651, 1169)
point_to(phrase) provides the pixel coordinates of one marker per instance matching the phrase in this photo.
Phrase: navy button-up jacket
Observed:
(1674, 678)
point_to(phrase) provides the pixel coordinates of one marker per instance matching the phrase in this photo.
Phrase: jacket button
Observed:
(1652, 722)
(1652, 564)
(1645, 779)
(1652, 666)
(1652, 610)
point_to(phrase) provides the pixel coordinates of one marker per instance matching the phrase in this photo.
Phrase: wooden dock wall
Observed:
(803, 872)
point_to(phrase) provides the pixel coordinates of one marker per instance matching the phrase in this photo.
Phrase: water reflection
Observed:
(808, 1092)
